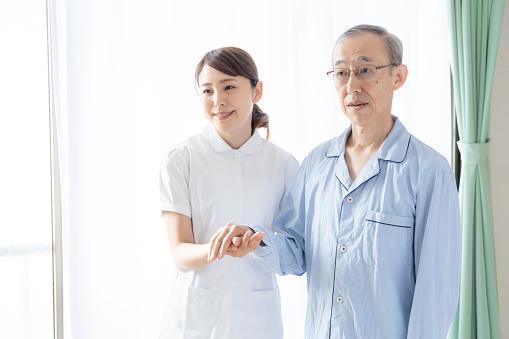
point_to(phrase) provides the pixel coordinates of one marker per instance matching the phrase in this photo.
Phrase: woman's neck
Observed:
(236, 138)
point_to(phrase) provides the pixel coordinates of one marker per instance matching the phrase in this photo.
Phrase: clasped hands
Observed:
(234, 240)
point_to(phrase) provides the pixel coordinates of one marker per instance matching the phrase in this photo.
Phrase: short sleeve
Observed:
(174, 182)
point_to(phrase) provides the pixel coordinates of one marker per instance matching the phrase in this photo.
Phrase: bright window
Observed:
(26, 283)
(124, 74)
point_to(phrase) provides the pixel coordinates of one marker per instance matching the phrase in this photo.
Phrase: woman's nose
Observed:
(218, 99)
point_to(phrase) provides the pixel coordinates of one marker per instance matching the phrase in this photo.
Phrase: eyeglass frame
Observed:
(350, 70)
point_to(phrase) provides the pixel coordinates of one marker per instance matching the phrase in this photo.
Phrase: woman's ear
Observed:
(258, 92)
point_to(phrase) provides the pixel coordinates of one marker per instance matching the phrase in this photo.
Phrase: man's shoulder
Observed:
(324, 150)
(426, 157)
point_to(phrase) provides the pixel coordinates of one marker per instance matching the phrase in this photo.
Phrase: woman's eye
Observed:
(229, 87)
(206, 91)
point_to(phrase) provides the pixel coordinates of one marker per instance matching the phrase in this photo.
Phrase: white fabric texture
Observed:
(212, 183)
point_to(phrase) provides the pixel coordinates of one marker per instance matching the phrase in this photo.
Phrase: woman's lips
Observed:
(223, 115)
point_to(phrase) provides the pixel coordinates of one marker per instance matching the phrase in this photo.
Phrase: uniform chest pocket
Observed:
(388, 240)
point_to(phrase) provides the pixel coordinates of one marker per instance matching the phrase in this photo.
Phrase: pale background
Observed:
(128, 70)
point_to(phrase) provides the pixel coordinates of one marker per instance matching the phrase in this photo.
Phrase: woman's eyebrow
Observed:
(221, 81)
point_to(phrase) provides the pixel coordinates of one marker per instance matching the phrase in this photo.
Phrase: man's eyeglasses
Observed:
(364, 73)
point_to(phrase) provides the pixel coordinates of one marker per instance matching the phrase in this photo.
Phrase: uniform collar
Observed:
(219, 145)
(394, 148)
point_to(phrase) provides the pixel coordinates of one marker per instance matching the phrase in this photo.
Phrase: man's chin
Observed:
(358, 117)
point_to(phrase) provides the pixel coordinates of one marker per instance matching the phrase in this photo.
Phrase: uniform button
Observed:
(339, 300)
(343, 248)
(349, 199)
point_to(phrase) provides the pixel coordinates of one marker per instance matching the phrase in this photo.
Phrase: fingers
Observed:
(245, 239)
(226, 241)
(232, 248)
(235, 230)
(216, 242)
(255, 240)
(248, 245)
(211, 245)
(237, 241)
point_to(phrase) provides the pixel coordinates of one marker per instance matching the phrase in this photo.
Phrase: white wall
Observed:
(499, 169)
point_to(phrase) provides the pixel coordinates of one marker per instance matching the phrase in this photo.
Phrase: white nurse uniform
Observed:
(213, 184)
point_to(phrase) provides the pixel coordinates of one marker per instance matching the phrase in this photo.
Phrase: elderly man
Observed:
(372, 216)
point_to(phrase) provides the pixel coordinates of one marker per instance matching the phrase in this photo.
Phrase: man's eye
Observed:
(341, 73)
(364, 70)
(206, 91)
(229, 87)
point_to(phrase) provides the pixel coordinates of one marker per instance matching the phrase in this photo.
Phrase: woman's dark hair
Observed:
(236, 62)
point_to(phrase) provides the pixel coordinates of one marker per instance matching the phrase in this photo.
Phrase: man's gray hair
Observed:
(394, 45)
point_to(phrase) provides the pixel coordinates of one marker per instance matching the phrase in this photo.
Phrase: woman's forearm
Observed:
(189, 257)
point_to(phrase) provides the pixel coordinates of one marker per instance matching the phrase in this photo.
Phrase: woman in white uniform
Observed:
(227, 173)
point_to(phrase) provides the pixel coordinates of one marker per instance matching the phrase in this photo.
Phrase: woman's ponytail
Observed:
(260, 119)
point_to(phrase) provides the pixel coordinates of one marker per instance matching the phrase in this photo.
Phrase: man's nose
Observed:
(353, 84)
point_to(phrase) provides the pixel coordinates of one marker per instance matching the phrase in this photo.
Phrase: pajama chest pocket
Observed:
(388, 240)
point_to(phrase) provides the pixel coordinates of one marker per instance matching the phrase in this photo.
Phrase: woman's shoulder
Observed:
(280, 153)
(187, 146)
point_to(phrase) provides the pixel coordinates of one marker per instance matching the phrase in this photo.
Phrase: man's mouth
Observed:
(357, 104)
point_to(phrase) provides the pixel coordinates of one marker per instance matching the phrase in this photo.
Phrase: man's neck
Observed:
(369, 138)
(363, 142)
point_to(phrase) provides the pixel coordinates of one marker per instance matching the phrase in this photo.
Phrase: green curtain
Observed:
(475, 30)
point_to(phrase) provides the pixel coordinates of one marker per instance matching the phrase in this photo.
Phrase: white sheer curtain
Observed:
(130, 95)
(26, 278)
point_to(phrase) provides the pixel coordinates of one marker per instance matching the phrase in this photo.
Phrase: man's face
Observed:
(366, 100)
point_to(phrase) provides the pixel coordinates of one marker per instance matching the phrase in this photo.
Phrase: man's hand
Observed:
(233, 240)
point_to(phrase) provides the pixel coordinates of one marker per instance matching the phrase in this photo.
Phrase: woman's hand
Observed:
(233, 240)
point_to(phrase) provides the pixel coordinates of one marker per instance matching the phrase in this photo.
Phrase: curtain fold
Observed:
(475, 31)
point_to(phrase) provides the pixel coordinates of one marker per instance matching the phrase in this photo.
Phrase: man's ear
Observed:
(400, 74)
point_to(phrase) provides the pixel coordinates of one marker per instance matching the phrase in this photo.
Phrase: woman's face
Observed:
(228, 100)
